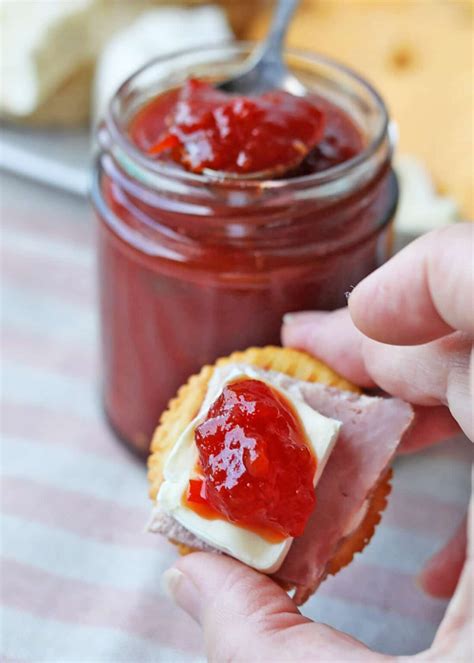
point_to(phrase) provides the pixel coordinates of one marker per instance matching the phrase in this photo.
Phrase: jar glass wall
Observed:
(193, 267)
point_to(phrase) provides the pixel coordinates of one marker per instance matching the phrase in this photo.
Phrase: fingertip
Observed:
(180, 588)
(201, 566)
(170, 580)
(298, 329)
(211, 572)
(371, 307)
(430, 585)
(414, 297)
(357, 302)
(330, 337)
(299, 318)
(431, 425)
(441, 573)
(240, 610)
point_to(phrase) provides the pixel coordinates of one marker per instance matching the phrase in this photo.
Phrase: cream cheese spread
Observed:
(243, 544)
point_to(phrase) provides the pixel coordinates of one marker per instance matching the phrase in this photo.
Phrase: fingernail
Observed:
(181, 589)
(170, 581)
(302, 317)
(289, 318)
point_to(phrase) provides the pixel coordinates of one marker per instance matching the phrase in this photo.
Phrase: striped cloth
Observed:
(80, 578)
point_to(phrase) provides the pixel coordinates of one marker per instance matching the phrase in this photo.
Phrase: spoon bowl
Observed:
(268, 174)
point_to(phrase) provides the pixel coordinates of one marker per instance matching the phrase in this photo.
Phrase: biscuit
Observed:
(297, 364)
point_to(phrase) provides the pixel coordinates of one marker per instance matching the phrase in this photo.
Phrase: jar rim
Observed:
(167, 170)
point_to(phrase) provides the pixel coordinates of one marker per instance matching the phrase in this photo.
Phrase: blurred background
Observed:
(63, 59)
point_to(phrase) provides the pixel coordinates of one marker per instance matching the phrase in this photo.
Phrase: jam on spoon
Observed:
(212, 130)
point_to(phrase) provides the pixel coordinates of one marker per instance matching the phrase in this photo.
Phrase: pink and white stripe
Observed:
(80, 578)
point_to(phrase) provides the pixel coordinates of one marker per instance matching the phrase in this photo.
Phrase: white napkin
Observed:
(421, 208)
(155, 32)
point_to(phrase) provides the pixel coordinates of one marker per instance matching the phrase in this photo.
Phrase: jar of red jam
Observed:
(193, 266)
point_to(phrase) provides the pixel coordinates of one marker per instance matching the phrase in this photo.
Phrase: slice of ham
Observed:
(371, 431)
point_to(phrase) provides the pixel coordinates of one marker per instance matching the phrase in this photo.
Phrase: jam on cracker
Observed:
(257, 466)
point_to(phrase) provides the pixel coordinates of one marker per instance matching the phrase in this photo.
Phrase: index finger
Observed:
(422, 293)
(333, 338)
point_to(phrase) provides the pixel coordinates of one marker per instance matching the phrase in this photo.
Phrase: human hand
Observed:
(414, 340)
(408, 329)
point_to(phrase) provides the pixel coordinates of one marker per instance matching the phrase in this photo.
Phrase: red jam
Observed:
(194, 268)
(202, 128)
(211, 129)
(257, 467)
(196, 499)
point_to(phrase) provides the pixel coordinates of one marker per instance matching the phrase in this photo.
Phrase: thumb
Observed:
(240, 610)
(245, 616)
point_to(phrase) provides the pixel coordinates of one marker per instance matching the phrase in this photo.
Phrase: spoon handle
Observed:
(273, 45)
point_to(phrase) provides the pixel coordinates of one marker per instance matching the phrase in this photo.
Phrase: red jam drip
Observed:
(211, 129)
(197, 500)
(257, 467)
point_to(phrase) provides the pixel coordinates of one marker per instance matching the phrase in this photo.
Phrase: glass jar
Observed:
(193, 267)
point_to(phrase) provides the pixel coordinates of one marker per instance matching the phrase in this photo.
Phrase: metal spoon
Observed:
(265, 69)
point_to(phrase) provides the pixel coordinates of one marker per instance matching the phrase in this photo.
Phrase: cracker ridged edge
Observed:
(296, 364)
